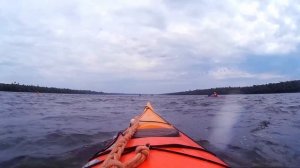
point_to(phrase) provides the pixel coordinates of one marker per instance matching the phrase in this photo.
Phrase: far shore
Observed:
(270, 88)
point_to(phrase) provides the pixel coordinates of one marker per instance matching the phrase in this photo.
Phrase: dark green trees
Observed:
(282, 87)
(15, 87)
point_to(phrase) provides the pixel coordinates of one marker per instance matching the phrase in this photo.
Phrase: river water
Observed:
(64, 130)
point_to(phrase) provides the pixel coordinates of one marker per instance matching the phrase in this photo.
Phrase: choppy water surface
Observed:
(61, 130)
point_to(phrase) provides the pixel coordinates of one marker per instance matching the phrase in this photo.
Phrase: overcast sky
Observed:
(153, 46)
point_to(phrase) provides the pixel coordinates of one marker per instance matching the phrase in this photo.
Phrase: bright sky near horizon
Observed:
(151, 46)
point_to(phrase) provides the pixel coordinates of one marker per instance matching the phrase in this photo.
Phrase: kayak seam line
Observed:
(155, 122)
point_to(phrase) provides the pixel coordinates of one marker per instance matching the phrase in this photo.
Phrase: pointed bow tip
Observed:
(149, 105)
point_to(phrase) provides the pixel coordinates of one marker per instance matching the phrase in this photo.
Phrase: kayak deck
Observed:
(168, 147)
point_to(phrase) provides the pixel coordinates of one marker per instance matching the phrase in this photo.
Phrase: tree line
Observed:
(282, 87)
(16, 87)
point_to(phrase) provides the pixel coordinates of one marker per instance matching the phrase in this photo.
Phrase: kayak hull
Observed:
(169, 147)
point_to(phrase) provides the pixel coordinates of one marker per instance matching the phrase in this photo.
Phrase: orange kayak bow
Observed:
(152, 142)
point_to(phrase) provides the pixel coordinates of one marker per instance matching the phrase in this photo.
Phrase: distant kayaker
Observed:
(215, 94)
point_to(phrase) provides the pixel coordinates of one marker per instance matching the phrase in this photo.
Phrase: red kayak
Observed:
(152, 142)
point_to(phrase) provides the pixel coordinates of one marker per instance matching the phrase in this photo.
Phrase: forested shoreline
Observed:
(282, 87)
(15, 87)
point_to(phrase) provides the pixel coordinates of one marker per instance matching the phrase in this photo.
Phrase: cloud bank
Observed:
(148, 46)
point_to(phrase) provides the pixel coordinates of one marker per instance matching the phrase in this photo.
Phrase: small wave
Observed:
(59, 138)
(70, 159)
(277, 110)
(262, 125)
(62, 139)
(27, 161)
(74, 118)
(268, 142)
(211, 115)
(258, 100)
(279, 102)
(257, 155)
(234, 147)
(96, 100)
(203, 142)
(294, 107)
(64, 103)
(191, 103)
(205, 104)
(173, 103)
(296, 124)
(10, 142)
(116, 112)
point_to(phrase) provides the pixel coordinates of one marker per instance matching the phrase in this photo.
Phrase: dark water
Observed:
(60, 130)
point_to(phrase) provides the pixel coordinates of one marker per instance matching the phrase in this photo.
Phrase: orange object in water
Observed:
(167, 146)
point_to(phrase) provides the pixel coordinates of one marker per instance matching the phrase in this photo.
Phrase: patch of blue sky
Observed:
(287, 65)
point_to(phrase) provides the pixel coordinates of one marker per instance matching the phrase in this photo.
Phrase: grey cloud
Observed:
(168, 42)
(135, 17)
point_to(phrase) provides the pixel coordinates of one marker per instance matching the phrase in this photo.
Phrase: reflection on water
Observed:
(60, 130)
(224, 120)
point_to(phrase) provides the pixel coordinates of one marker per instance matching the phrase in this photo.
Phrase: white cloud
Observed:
(230, 73)
(226, 73)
